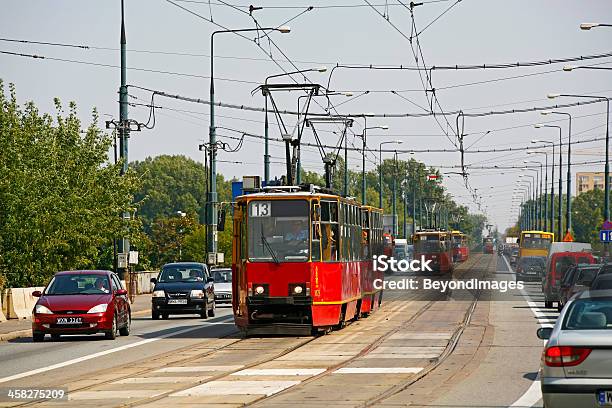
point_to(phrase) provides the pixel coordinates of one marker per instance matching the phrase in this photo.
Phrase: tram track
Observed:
(476, 263)
(378, 341)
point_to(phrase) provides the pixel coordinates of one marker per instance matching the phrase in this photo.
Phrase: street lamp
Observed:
(588, 26)
(380, 177)
(568, 201)
(559, 210)
(540, 214)
(533, 209)
(546, 212)
(363, 154)
(607, 165)
(211, 202)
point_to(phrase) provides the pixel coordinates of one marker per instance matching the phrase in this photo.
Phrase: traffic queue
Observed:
(575, 366)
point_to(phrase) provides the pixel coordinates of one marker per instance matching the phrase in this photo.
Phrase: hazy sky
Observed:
(471, 32)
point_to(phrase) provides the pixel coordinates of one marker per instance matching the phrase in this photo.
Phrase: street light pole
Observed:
(211, 202)
(380, 177)
(568, 201)
(363, 154)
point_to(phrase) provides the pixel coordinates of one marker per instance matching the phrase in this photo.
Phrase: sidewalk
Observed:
(14, 328)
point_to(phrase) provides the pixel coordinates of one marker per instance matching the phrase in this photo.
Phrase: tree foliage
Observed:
(61, 198)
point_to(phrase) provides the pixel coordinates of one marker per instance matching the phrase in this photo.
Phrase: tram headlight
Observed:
(259, 290)
(297, 290)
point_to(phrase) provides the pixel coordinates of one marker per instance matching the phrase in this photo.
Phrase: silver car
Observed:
(223, 285)
(576, 368)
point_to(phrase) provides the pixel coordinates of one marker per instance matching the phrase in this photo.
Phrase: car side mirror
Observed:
(154, 280)
(37, 293)
(544, 333)
(210, 280)
(121, 292)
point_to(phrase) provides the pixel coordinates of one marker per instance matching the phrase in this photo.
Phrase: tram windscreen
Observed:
(278, 231)
(428, 245)
(535, 241)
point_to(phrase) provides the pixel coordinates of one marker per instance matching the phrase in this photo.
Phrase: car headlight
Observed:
(98, 309)
(40, 309)
(196, 293)
(159, 293)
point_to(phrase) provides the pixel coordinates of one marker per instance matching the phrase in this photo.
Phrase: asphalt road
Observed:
(148, 338)
(494, 363)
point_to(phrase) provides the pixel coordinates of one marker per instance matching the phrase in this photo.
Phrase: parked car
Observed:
(81, 302)
(514, 256)
(576, 279)
(602, 282)
(575, 367)
(183, 288)
(530, 268)
(223, 285)
(556, 267)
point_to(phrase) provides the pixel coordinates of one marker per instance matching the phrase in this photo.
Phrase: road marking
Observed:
(197, 369)
(281, 371)
(266, 388)
(100, 354)
(158, 380)
(378, 370)
(534, 392)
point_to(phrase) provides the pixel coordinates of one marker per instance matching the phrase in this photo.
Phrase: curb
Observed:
(28, 333)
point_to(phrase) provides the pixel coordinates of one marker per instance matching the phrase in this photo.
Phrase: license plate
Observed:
(69, 320)
(605, 398)
(177, 301)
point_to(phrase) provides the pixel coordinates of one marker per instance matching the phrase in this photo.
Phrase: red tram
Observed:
(436, 246)
(487, 245)
(461, 250)
(302, 261)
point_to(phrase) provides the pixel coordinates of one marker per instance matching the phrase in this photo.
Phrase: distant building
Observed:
(590, 181)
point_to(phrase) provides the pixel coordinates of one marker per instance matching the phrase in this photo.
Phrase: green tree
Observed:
(587, 217)
(61, 198)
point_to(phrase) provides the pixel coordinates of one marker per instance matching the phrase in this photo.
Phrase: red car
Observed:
(81, 302)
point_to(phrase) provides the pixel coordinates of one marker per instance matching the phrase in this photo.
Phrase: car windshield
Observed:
(586, 275)
(528, 261)
(181, 274)
(562, 264)
(278, 231)
(535, 241)
(78, 284)
(222, 276)
(589, 314)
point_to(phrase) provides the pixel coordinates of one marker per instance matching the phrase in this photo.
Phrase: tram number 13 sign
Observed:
(261, 209)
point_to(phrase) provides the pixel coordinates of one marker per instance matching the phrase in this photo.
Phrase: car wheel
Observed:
(125, 330)
(204, 313)
(559, 306)
(211, 312)
(165, 316)
(112, 333)
(37, 337)
(155, 316)
(548, 304)
(55, 337)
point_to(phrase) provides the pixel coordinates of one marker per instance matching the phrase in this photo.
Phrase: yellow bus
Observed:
(535, 243)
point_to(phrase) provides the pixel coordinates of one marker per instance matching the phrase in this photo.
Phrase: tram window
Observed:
(324, 211)
(333, 211)
(280, 234)
(329, 241)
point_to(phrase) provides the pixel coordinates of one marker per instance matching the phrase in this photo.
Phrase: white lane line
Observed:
(100, 354)
(530, 397)
(236, 388)
(197, 369)
(534, 392)
(378, 370)
(281, 371)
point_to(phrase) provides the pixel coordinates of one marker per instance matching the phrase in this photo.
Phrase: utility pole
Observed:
(124, 134)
